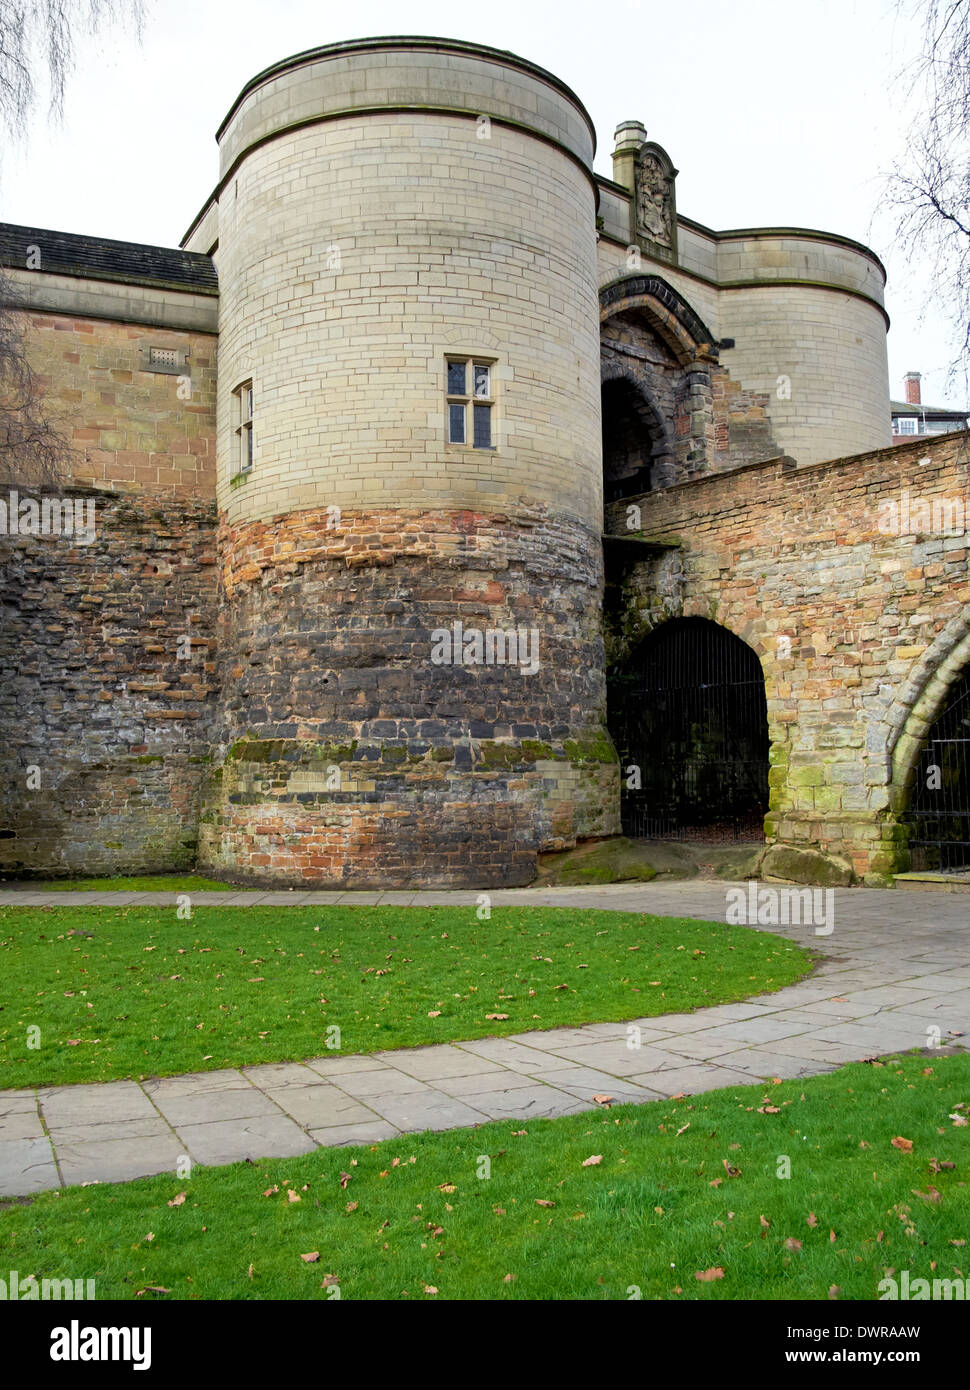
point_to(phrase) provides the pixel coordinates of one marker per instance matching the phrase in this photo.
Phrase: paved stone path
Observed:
(897, 966)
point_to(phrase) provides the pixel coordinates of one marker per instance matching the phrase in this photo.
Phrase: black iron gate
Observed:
(689, 720)
(939, 809)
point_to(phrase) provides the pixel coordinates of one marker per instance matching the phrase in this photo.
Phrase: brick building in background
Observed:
(911, 416)
(519, 508)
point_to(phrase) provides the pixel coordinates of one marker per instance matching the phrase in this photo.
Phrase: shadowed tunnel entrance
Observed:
(688, 717)
(939, 808)
(633, 440)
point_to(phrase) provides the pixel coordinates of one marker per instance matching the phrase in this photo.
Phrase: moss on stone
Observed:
(497, 755)
(807, 866)
(617, 860)
(591, 748)
(269, 750)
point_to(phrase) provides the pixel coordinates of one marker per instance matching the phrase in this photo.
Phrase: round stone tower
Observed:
(410, 480)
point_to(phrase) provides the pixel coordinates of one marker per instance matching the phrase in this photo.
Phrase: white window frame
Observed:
(242, 428)
(473, 363)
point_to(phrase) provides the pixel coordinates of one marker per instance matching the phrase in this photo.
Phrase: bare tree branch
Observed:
(930, 190)
(37, 33)
(35, 447)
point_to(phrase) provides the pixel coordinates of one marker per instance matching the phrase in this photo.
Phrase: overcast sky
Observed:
(776, 112)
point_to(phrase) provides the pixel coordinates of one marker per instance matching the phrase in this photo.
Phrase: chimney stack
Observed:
(912, 388)
(629, 137)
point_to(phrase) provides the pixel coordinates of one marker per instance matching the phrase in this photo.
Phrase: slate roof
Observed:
(96, 258)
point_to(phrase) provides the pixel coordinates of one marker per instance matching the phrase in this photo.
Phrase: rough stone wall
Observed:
(697, 420)
(743, 431)
(107, 646)
(107, 650)
(850, 580)
(350, 756)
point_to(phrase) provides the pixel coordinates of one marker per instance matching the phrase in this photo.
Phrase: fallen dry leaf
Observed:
(792, 1244)
(812, 1219)
(900, 1143)
(592, 1160)
(177, 1200)
(542, 1202)
(329, 1280)
(603, 1100)
(707, 1276)
(292, 1196)
(311, 1258)
(497, 1018)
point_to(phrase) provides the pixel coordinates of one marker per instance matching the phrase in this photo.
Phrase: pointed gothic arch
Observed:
(668, 313)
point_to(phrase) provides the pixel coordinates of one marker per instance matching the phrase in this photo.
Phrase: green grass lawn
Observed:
(659, 1207)
(133, 991)
(152, 883)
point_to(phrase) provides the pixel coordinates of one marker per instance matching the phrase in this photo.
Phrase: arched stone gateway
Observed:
(937, 817)
(861, 624)
(688, 715)
(656, 356)
(928, 754)
(636, 440)
(661, 370)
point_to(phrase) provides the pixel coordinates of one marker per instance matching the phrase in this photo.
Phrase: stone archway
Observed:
(636, 442)
(688, 715)
(920, 700)
(927, 760)
(657, 358)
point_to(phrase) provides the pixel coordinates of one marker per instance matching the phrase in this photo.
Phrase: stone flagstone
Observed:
(898, 968)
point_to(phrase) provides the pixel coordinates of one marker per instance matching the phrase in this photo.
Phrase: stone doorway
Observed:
(688, 716)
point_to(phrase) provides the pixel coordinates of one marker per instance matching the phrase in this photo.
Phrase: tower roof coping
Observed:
(414, 42)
